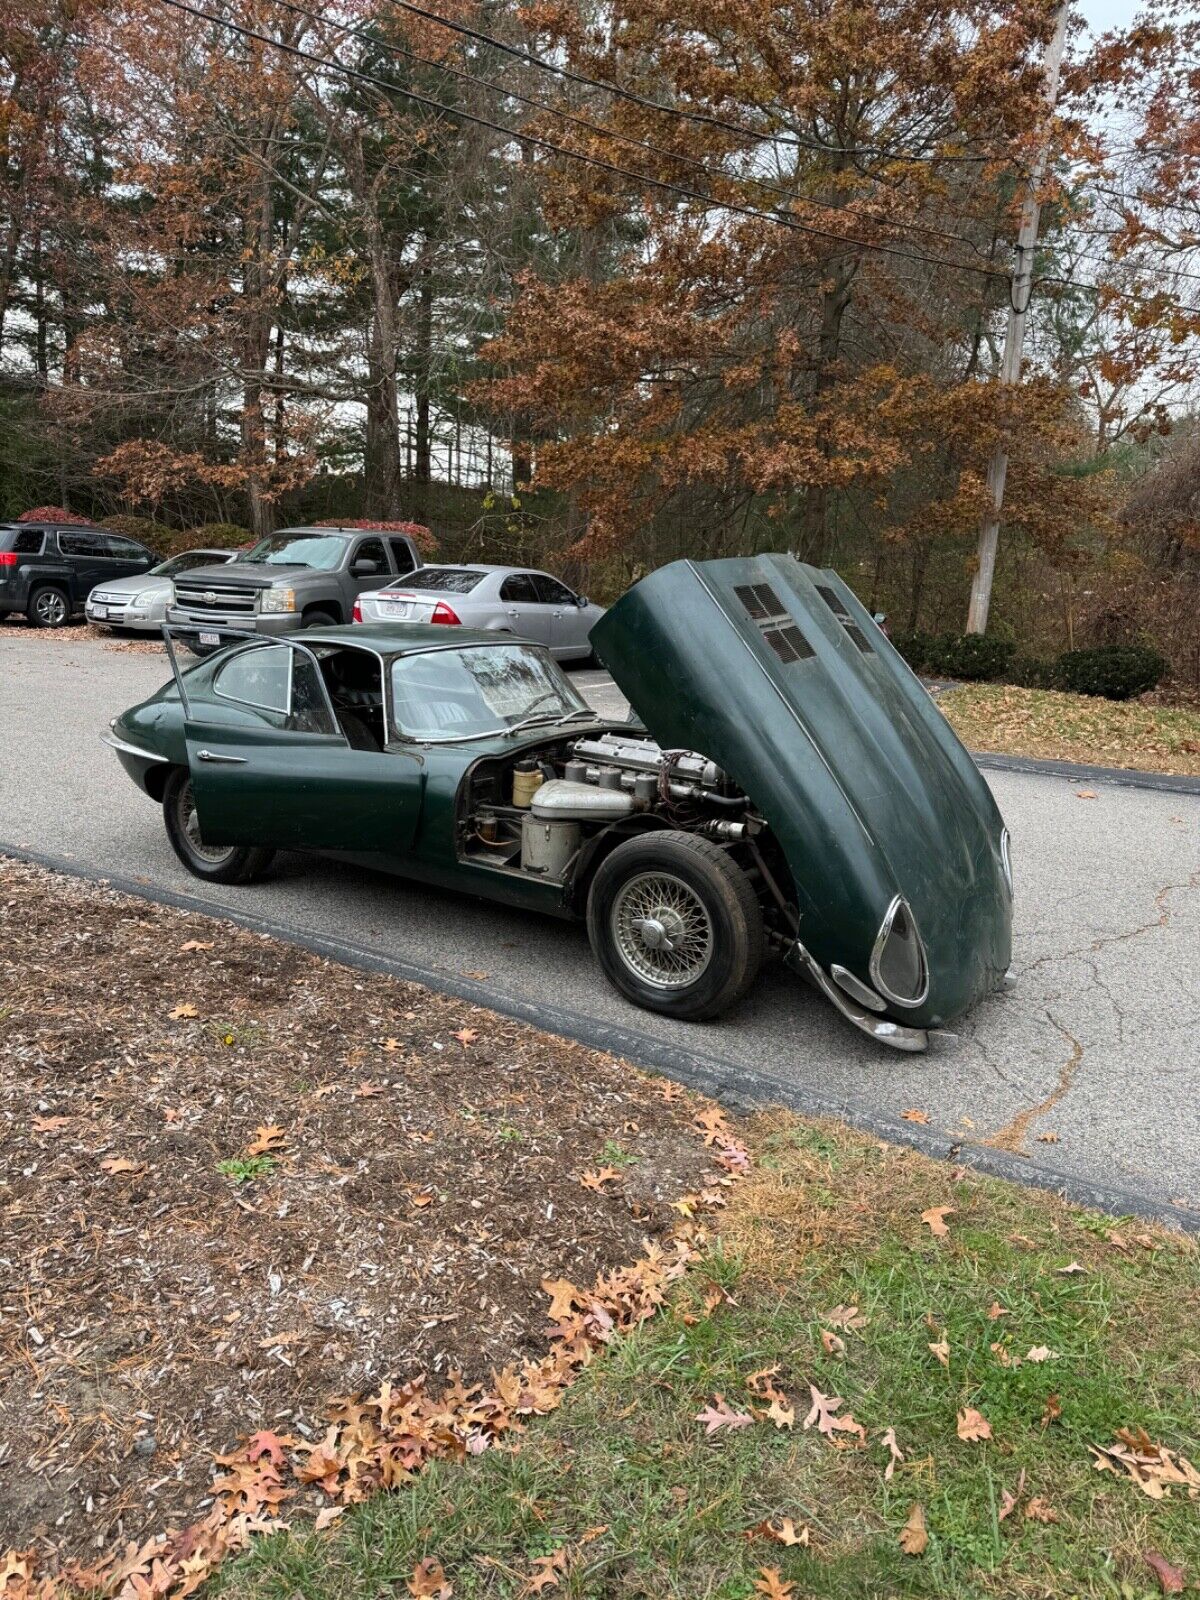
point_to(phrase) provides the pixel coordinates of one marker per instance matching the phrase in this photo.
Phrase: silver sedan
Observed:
(141, 602)
(504, 599)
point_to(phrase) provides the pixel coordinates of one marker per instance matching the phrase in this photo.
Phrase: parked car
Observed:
(499, 599)
(793, 789)
(48, 569)
(297, 578)
(140, 603)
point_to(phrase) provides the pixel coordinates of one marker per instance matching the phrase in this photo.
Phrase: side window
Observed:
(82, 544)
(257, 677)
(125, 549)
(403, 556)
(29, 543)
(371, 550)
(519, 588)
(310, 709)
(551, 592)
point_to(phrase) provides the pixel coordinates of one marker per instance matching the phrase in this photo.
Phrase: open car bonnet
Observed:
(775, 671)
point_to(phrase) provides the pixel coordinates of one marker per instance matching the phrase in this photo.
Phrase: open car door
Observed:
(270, 764)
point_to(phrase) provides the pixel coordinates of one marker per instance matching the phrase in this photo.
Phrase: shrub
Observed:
(973, 656)
(1116, 671)
(215, 536)
(1033, 672)
(56, 514)
(916, 648)
(145, 530)
(420, 535)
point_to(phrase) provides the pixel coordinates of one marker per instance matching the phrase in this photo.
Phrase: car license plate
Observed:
(100, 613)
(209, 638)
(393, 608)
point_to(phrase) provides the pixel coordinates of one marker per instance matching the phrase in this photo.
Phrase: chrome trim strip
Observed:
(1006, 859)
(856, 988)
(881, 939)
(879, 1028)
(122, 745)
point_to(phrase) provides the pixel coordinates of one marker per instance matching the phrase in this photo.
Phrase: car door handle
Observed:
(512, 611)
(223, 761)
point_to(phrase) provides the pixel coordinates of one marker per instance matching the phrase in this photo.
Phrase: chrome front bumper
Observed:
(879, 1028)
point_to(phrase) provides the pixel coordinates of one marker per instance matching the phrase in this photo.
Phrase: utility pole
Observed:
(1020, 289)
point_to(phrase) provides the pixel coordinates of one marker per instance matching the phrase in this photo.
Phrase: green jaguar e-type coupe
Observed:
(790, 789)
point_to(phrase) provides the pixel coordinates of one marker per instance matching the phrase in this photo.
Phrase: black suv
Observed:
(48, 569)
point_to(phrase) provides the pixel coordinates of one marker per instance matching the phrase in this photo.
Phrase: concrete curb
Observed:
(1073, 772)
(739, 1088)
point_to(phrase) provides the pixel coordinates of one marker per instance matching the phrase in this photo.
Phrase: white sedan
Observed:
(515, 600)
(140, 603)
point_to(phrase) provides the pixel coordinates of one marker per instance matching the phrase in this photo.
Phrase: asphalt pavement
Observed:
(1083, 1077)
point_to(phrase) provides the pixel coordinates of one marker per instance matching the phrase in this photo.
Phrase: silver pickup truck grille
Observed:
(213, 599)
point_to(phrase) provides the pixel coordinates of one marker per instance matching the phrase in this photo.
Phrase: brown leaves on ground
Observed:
(596, 1180)
(772, 1585)
(548, 1572)
(115, 1165)
(935, 1220)
(1157, 1471)
(972, 1426)
(895, 1453)
(940, 1347)
(913, 1114)
(782, 1530)
(717, 1415)
(914, 1536)
(182, 1011)
(428, 1581)
(189, 945)
(1171, 1580)
(823, 1416)
(268, 1137)
(466, 1036)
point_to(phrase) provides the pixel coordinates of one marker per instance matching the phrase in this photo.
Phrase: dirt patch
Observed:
(237, 1179)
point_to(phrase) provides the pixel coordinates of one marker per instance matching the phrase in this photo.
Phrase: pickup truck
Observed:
(47, 569)
(297, 578)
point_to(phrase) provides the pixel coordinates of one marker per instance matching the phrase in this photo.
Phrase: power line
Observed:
(522, 137)
(608, 133)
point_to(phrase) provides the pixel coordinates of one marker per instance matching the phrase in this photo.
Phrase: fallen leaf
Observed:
(367, 1090)
(972, 1426)
(549, 1572)
(1042, 1352)
(1170, 1579)
(997, 1310)
(184, 1009)
(1008, 1502)
(934, 1220)
(714, 1122)
(914, 1115)
(782, 1529)
(669, 1092)
(1047, 1138)
(466, 1036)
(564, 1296)
(476, 974)
(894, 1452)
(823, 1415)
(115, 1164)
(268, 1137)
(942, 1350)
(847, 1318)
(50, 1124)
(719, 1415)
(1086, 794)
(419, 1197)
(597, 1180)
(428, 1581)
(913, 1535)
(832, 1345)
(770, 1584)
(1071, 1269)
(326, 1515)
(392, 1044)
(1039, 1510)
(780, 1411)
(195, 944)
(1052, 1410)
(324, 1089)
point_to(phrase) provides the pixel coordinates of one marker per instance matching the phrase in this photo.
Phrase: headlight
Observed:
(277, 600)
(1006, 859)
(898, 966)
(146, 598)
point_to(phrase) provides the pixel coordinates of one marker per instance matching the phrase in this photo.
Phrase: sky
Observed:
(1103, 14)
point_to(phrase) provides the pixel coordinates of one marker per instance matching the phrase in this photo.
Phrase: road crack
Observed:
(1014, 1133)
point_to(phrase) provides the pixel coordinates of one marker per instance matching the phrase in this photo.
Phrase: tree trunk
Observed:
(423, 374)
(835, 297)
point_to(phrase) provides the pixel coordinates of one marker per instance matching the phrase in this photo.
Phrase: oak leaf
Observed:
(782, 1529)
(564, 1297)
(973, 1426)
(466, 1036)
(326, 1515)
(367, 1090)
(714, 1123)
(267, 1137)
(596, 1180)
(996, 1310)
(1008, 1501)
(913, 1114)
(1039, 1510)
(831, 1344)
(772, 1585)
(1042, 1352)
(720, 1415)
(1170, 1579)
(428, 1581)
(549, 1573)
(781, 1412)
(195, 944)
(1051, 1411)
(823, 1415)
(1071, 1270)
(914, 1536)
(935, 1220)
(183, 1009)
(50, 1124)
(894, 1453)
(847, 1318)
(115, 1164)
(941, 1349)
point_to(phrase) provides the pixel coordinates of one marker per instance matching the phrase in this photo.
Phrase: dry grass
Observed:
(1072, 727)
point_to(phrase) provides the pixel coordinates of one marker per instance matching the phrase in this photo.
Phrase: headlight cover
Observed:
(147, 597)
(1006, 859)
(899, 969)
(277, 600)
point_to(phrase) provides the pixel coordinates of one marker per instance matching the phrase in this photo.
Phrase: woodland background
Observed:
(267, 262)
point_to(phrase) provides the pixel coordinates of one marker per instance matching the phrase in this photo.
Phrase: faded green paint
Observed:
(859, 775)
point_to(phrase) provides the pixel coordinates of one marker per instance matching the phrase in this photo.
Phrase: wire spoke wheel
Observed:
(662, 930)
(189, 824)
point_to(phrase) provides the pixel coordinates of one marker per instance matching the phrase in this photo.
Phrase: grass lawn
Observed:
(1056, 1327)
(1074, 727)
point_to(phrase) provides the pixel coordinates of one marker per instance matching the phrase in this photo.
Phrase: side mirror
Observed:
(582, 601)
(364, 568)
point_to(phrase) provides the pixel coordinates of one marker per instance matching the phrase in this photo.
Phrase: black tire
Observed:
(48, 607)
(707, 907)
(235, 864)
(319, 619)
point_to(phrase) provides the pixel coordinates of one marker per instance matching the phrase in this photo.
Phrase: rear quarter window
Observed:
(25, 541)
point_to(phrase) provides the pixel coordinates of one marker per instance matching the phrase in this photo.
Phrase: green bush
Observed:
(145, 530)
(214, 536)
(1116, 671)
(916, 648)
(1033, 672)
(973, 656)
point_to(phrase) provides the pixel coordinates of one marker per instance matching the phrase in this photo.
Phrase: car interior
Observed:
(354, 679)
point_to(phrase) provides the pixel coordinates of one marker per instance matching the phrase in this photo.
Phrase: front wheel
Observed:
(214, 863)
(676, 925)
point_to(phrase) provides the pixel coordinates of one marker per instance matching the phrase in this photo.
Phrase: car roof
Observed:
(54, 527)
(405, 638)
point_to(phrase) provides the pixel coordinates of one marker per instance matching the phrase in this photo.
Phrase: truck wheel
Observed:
(676, 925)
(48, 607)
(319, 619)
(213, 863)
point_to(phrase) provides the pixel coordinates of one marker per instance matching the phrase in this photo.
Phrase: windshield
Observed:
(324, 551)
(185, 562)
(478, 690)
